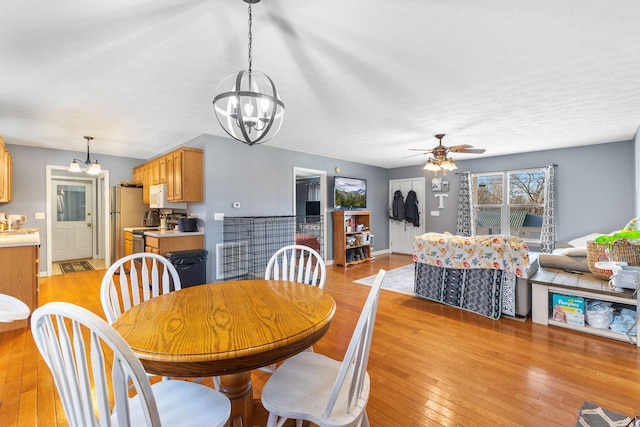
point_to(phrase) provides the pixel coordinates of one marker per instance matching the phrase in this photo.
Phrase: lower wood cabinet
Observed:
(19, 278)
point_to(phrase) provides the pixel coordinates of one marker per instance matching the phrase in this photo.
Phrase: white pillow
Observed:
(581, 242)
(574, 251)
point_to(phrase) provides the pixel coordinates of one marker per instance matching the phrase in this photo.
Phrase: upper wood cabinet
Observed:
(182, 170)
(6, 165)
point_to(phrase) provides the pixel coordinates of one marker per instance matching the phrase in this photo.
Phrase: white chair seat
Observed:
(12, 309)
(303, 387)
(195, 407)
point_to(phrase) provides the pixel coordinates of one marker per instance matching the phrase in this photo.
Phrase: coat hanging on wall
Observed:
(411, 213)
(397, 208)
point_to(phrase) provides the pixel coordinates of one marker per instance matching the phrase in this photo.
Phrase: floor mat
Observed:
(75, 266)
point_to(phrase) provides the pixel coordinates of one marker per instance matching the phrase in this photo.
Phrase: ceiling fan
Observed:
(440, 160)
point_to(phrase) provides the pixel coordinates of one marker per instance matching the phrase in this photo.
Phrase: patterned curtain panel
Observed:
(548, 232)
(464, 221)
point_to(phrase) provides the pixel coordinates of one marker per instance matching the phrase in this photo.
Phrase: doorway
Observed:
(310, 185)
(77, 208)
(72, 219)
(401, 233)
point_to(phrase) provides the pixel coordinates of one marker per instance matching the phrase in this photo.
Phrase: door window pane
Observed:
(71, 201)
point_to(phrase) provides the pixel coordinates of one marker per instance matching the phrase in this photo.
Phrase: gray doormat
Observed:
(75, 266)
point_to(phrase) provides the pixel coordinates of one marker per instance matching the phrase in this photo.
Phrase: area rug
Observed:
(397, 280)
(592, 415)
(75, 266)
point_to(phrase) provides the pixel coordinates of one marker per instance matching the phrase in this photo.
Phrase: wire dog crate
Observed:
(249, 242)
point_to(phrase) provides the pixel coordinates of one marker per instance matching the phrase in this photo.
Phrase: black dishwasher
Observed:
(191, 266)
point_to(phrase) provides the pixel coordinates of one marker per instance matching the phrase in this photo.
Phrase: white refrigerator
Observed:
(127, 210)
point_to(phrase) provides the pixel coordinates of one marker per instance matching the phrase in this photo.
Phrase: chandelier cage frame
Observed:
(247, 104)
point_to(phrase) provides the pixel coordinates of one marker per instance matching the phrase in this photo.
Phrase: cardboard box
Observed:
(568, 309)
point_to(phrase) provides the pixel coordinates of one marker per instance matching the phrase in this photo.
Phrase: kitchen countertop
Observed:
(22, 237)
(173, 233)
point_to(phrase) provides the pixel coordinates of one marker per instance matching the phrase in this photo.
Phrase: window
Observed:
(510, 203)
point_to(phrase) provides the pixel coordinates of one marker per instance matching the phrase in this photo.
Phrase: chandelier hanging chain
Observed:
(250, 37)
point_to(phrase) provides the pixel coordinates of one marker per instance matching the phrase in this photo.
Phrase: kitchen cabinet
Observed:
(182, 170)
(179, 242)
(5, 174)
(19, 278)
(128, 243)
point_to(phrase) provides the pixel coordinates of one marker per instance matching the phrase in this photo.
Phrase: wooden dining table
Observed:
(226, 329)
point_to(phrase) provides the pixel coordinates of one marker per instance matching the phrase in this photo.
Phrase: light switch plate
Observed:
(435, 213)
(218, 216)
(39, 215)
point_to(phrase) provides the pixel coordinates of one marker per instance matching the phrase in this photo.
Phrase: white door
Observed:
(402, 233)
(73, 220)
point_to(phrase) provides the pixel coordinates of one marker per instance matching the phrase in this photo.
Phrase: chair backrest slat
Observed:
(297, 263)
(353, 370)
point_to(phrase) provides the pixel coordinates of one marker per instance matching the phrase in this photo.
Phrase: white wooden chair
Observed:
(310, 386)
(297, 263)
(91, 366)
(137, 278)
(12, 309)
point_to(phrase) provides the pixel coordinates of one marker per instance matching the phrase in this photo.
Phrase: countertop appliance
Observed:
(127, 210)
(151, 219)
(158, 198)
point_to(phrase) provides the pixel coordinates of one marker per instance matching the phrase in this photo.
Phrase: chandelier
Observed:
(247, 104)
(93, 168)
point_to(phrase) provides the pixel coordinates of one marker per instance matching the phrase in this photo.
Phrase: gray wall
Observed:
(29, 182)
(261, 179)
(594, 186)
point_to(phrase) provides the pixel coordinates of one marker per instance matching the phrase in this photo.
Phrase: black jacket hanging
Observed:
(411, 209)
(397, 208)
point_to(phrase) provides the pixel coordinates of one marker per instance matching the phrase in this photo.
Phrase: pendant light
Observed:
(93, 168)
(247, 104)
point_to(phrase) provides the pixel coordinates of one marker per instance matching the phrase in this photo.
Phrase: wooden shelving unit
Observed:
(351, 237)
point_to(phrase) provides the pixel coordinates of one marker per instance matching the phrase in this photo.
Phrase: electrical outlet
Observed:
(435, 213)
(39, 215)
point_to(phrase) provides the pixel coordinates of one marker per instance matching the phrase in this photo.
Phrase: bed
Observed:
(487, 275)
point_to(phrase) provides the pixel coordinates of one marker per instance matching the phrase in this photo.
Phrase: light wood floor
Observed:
(430, 364)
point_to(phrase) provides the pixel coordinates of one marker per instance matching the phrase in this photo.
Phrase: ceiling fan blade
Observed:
(459, 147)
(414, 155)
(472, 150)
(424, 150)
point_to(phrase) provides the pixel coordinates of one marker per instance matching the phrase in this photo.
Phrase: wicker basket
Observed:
(618, 251)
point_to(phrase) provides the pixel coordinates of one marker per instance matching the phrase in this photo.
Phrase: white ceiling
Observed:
(363, 80)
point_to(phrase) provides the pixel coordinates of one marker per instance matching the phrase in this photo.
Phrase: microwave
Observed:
(158, 198)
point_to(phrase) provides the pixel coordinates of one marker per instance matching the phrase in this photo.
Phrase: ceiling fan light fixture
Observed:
(448, 165)
(432, 166)
(247, 104)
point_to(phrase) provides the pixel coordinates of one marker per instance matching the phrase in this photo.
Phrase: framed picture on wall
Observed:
(436, 184)
(439, 184)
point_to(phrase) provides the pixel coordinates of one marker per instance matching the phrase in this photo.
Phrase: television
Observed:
(312, 208)
(349, 193)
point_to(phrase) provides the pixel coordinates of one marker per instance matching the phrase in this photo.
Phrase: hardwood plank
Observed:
(430, 364)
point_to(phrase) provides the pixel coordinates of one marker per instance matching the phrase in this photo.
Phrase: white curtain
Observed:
(548, 232)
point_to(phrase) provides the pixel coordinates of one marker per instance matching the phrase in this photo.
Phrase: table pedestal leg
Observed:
(238, 389)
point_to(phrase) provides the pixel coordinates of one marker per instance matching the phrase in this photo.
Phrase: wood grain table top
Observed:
(226, 327)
